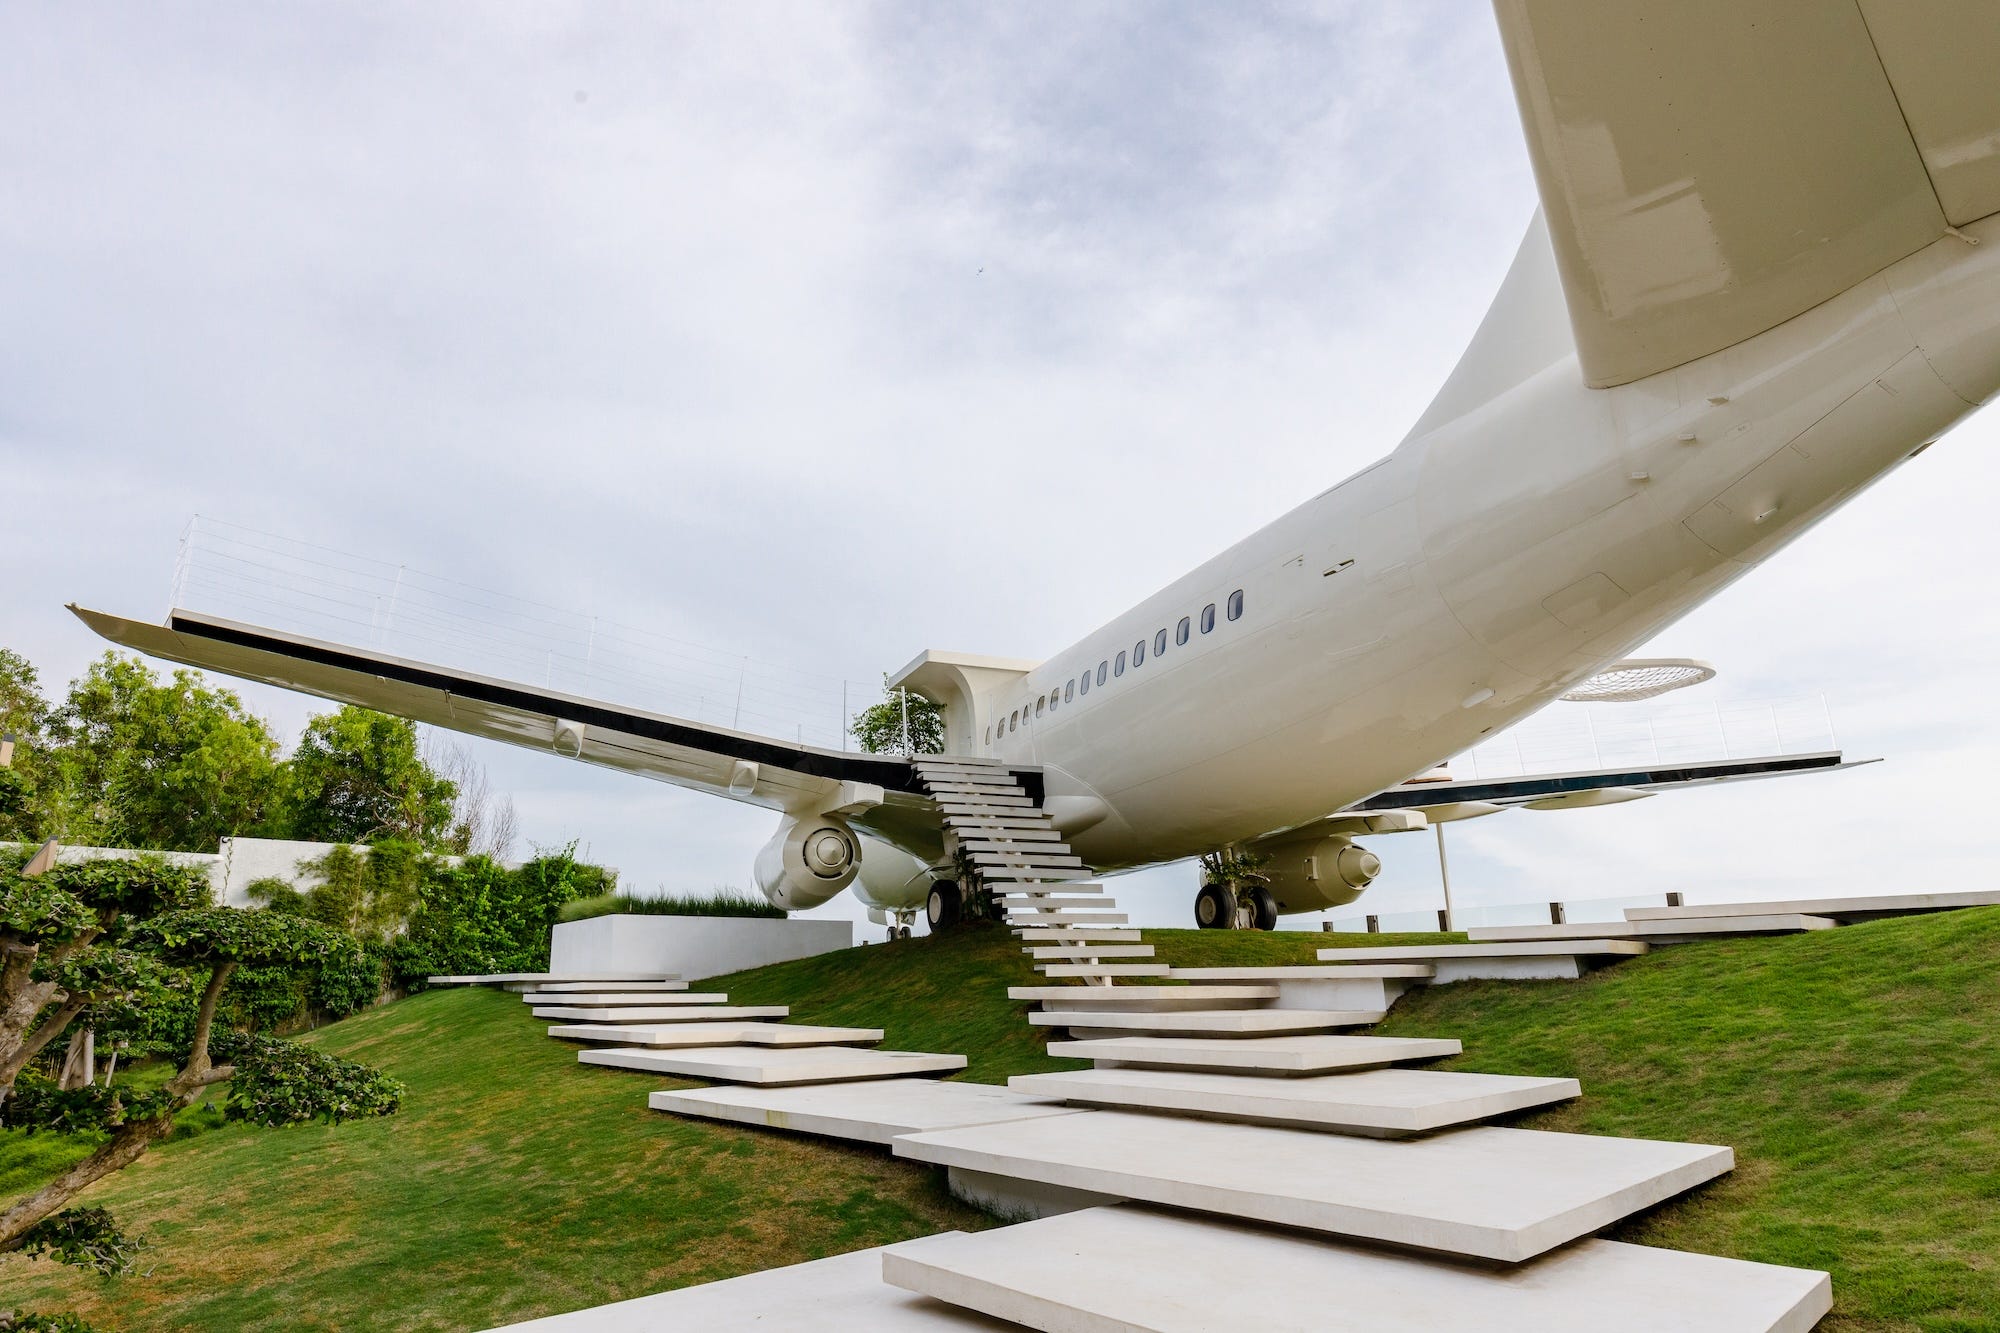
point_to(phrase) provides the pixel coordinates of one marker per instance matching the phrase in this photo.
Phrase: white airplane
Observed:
(1765, 272)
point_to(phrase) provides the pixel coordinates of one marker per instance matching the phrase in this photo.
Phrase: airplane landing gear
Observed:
(945, 906)
(902, 920)
(1215, 907)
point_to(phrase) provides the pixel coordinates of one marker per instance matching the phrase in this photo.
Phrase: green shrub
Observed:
(722, 902)
(285, 1083)
(26, 1321)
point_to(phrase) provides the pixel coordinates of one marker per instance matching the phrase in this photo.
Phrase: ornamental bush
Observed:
(281, 1082)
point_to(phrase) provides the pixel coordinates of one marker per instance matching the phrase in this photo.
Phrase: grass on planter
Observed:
(721, 902)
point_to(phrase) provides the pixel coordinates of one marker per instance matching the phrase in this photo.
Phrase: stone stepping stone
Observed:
(1102, 969)
(690, 1013)
(1840, 909)
(627, 1000)
(1270, 1057)
(684, 1035)
(1205, 1022)
(769, 1067)
(1383, 1102)
(1130, 1268)
(844, 1292)
(1673, 931)
(590, 987)
(1151, 998)
(1515, 960)
(873, 1112)
(1484, 1193)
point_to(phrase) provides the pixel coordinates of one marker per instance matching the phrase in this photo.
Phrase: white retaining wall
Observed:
(691, 947)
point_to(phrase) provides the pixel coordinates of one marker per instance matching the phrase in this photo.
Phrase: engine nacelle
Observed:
(1315, 873)
(807, 861)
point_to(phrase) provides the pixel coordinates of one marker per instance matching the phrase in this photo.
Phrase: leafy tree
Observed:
(903, 723)
(165, 765)
(359, 775)
(211, 942)
(24, 716)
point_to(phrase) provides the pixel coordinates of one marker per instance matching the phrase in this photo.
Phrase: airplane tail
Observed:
(1712, 168)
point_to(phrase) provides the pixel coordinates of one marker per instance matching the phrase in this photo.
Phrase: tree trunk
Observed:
(79, 1067)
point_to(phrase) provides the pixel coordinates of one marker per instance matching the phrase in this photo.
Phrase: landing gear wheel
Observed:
(945, 906)
(899, 932)
(1215, 908)
(1263, 909)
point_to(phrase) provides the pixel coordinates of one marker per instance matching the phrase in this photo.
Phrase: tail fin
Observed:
(1711, 168)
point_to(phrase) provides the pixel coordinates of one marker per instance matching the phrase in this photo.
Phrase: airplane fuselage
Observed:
(1509, 547)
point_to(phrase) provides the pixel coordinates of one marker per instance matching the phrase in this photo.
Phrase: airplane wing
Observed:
(1712, 168)
(878, 792)
(1445, 801)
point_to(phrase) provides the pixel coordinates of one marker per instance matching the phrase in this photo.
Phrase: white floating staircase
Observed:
(1233, 1122)
(1065, 920)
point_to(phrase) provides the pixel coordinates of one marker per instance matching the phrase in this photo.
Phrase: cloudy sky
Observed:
(823, 334)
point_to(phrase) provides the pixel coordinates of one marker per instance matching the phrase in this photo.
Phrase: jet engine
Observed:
(1314, 873)
(807, 861)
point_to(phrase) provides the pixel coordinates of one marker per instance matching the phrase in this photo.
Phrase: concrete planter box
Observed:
(691, 947)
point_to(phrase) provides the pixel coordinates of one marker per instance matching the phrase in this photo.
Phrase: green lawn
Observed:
(1856, 1072)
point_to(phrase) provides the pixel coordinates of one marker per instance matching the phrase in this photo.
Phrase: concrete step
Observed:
(767, 1066)
(1268, 1057)
(1204, 1022)
(1058, 952)
(1675, 930)
(1102, 969)
(1840, 909)
(594, 987)
(1129, 1268)
(692, 1013)
(1031, 919)
(844, 1292)
(1063, 935)
(686, 1035)
(1307, 972)
(1144, 997)
(624, 999)
(1485, 1193)
(1388, 1103)
(543, 978)
(1522, 960)
(1031, 904)
(870, 1112)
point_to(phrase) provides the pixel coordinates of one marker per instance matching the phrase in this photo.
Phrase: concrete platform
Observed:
(692, 1013)
(1673, 931)
(844, 1292)
(769, 1067)
(625, 999)
(1102, 969)
(680, 1036)
(1103, 935)
(1057, 952)
(1151, 998)
(1017, 917)
(1840, 909)
(1486, 1193)
(525, 978)
(1130, 1268)
(1269, 1057)
(1308, 972)
(872, 1112)
(1382, 1102)
(1517, 961)
(592, 987)
(1205, 1022)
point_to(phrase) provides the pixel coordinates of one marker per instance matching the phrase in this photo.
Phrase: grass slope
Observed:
(1856, 1072)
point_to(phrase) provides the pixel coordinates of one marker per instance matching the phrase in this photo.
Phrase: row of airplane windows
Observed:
(1112, 667)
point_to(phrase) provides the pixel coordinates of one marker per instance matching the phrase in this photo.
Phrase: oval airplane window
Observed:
(1069, 690)
(1102, 667)
(1236, 604)
(1159, 643)
(989, 735)
(1041, 706)
(1138, 652)
(1118, 666)
(1181, 630)
(1208, 618)
(1086, 682)
(1014, 721)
